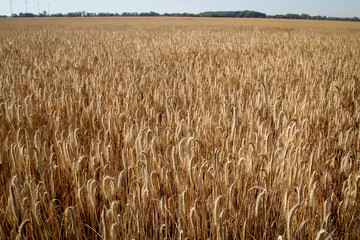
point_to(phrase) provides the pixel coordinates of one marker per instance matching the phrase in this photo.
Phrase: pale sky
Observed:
(330, 8)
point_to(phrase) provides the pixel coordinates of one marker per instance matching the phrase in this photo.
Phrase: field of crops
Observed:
(179, 128)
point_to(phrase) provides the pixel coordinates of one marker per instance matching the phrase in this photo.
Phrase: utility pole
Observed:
(38, 7)
(26, 6)
(11, 8)
(48, 8)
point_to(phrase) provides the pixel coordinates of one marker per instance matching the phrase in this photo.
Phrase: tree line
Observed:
(223, 14)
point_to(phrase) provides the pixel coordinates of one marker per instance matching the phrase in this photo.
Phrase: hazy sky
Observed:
(332, 8)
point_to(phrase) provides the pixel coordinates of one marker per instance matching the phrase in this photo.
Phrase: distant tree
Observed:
(128, 14)
(149, 14)
(90, 15)
(231, 14)
(107, 14)
(305, 16)
(317, 17)
(73, 14)
(292, 16)
(228, 14)
(210, 14)
(58, 15)
(43, 14)
(353, 19)
(240, 14)
(26, 15)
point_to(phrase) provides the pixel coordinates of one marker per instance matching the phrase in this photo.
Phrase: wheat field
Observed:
(179, 128)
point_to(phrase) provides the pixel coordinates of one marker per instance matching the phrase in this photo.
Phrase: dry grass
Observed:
(166, 128)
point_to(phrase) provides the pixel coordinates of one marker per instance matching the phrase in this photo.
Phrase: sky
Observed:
(330, 8)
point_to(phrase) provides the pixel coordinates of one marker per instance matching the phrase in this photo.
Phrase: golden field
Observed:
(179, 128)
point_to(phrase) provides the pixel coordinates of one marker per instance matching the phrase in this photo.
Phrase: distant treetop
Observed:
(224, 14)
